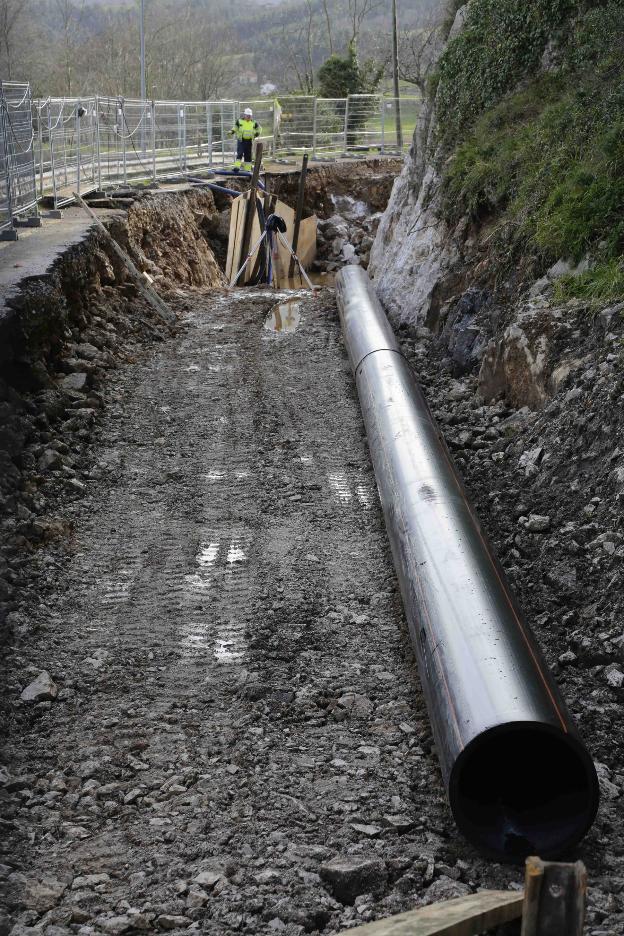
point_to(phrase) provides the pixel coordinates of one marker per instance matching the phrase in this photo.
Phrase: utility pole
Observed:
(143, 82)
(395, 74)
(143, 77)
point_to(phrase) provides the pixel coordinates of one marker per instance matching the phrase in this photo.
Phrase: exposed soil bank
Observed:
(370, 180)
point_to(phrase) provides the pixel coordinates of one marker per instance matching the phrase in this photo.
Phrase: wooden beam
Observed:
(464, 916)
(160, 307)
(554, 901)
(298, 212)
(251, 209)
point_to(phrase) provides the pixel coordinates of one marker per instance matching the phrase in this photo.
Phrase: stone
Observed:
(208, 878)
(399, 823)
(537, 523)
(445, 888)
(77, 381)
(350, 876)
(115, 925)
(370, 831)
(41, 689)
(170, 921)
(42, 895)
(197, 898)
(90, 880)
(49, 460)
(614, 676)
(87, 351)
(608, 789)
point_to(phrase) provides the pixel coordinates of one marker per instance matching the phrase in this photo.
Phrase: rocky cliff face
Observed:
(503, 326)
(416, 257)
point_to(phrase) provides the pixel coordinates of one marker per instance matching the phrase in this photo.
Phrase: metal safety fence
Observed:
(18, 193)
(96, 142)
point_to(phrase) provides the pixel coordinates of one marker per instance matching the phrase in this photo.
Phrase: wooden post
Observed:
(463, 916)
(554, 898)
(298, 213)
(250, 213)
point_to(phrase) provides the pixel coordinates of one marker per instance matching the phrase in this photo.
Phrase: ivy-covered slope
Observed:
(530, 109)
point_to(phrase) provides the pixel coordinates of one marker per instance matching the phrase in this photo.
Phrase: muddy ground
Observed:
(238, 704)
(231, 737)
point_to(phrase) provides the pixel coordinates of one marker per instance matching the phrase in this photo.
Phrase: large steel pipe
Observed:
(519, 779)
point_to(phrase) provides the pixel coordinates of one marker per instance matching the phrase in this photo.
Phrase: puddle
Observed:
(317, 278)
(284, 317)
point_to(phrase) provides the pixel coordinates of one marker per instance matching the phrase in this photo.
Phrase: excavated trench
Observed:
(226, 731)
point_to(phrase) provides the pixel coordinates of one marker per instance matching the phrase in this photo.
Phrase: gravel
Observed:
(238, 741)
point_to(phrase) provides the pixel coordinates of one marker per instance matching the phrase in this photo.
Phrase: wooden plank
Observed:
(307, 242)
(464, 916)
(250, 213)
(554, 901)
(298, 212)
(233, 254)
(150, 295)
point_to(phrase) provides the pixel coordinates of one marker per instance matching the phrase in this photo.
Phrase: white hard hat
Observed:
(248, 112)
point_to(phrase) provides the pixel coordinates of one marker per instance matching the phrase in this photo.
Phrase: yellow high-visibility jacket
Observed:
(246, 129)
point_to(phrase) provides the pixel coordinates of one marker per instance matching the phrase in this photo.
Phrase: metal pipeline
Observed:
(518, 777)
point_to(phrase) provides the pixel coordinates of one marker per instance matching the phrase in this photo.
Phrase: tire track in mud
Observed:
(239, 701)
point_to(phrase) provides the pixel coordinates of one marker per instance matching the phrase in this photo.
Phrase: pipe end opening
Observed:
(524, 790)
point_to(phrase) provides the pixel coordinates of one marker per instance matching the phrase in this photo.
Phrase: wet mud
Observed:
(238, 704)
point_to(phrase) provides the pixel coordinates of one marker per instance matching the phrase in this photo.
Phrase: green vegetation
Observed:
(501, 42)
(340, 75)
(547, 162)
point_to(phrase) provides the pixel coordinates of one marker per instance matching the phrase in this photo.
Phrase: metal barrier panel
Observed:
(95, 142)
(6, 217)
(294, 132)
(330, 122)
(19, 189)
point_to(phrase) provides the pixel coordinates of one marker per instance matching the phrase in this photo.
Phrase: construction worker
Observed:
(246, 130)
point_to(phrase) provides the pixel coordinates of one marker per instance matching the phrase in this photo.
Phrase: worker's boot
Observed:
(236, 165)
(247, 166)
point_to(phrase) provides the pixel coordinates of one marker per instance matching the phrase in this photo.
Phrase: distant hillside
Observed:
(196, 49)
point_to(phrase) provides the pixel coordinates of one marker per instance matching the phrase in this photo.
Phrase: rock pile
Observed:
(347, 236)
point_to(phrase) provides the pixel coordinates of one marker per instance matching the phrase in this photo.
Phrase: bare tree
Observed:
(330, 41)
(358, 12)
(418, 53)
(70, 16)
(12, 15)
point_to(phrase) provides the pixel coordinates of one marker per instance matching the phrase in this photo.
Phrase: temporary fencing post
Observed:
(209, 131)
(383, 123)
(40, 140)
(98, 150)
(346, 126)
(222, 138)
(52, 158)
(122, 130)
(153, 113)
(314, 126)
(78, 145)
(178, 114)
